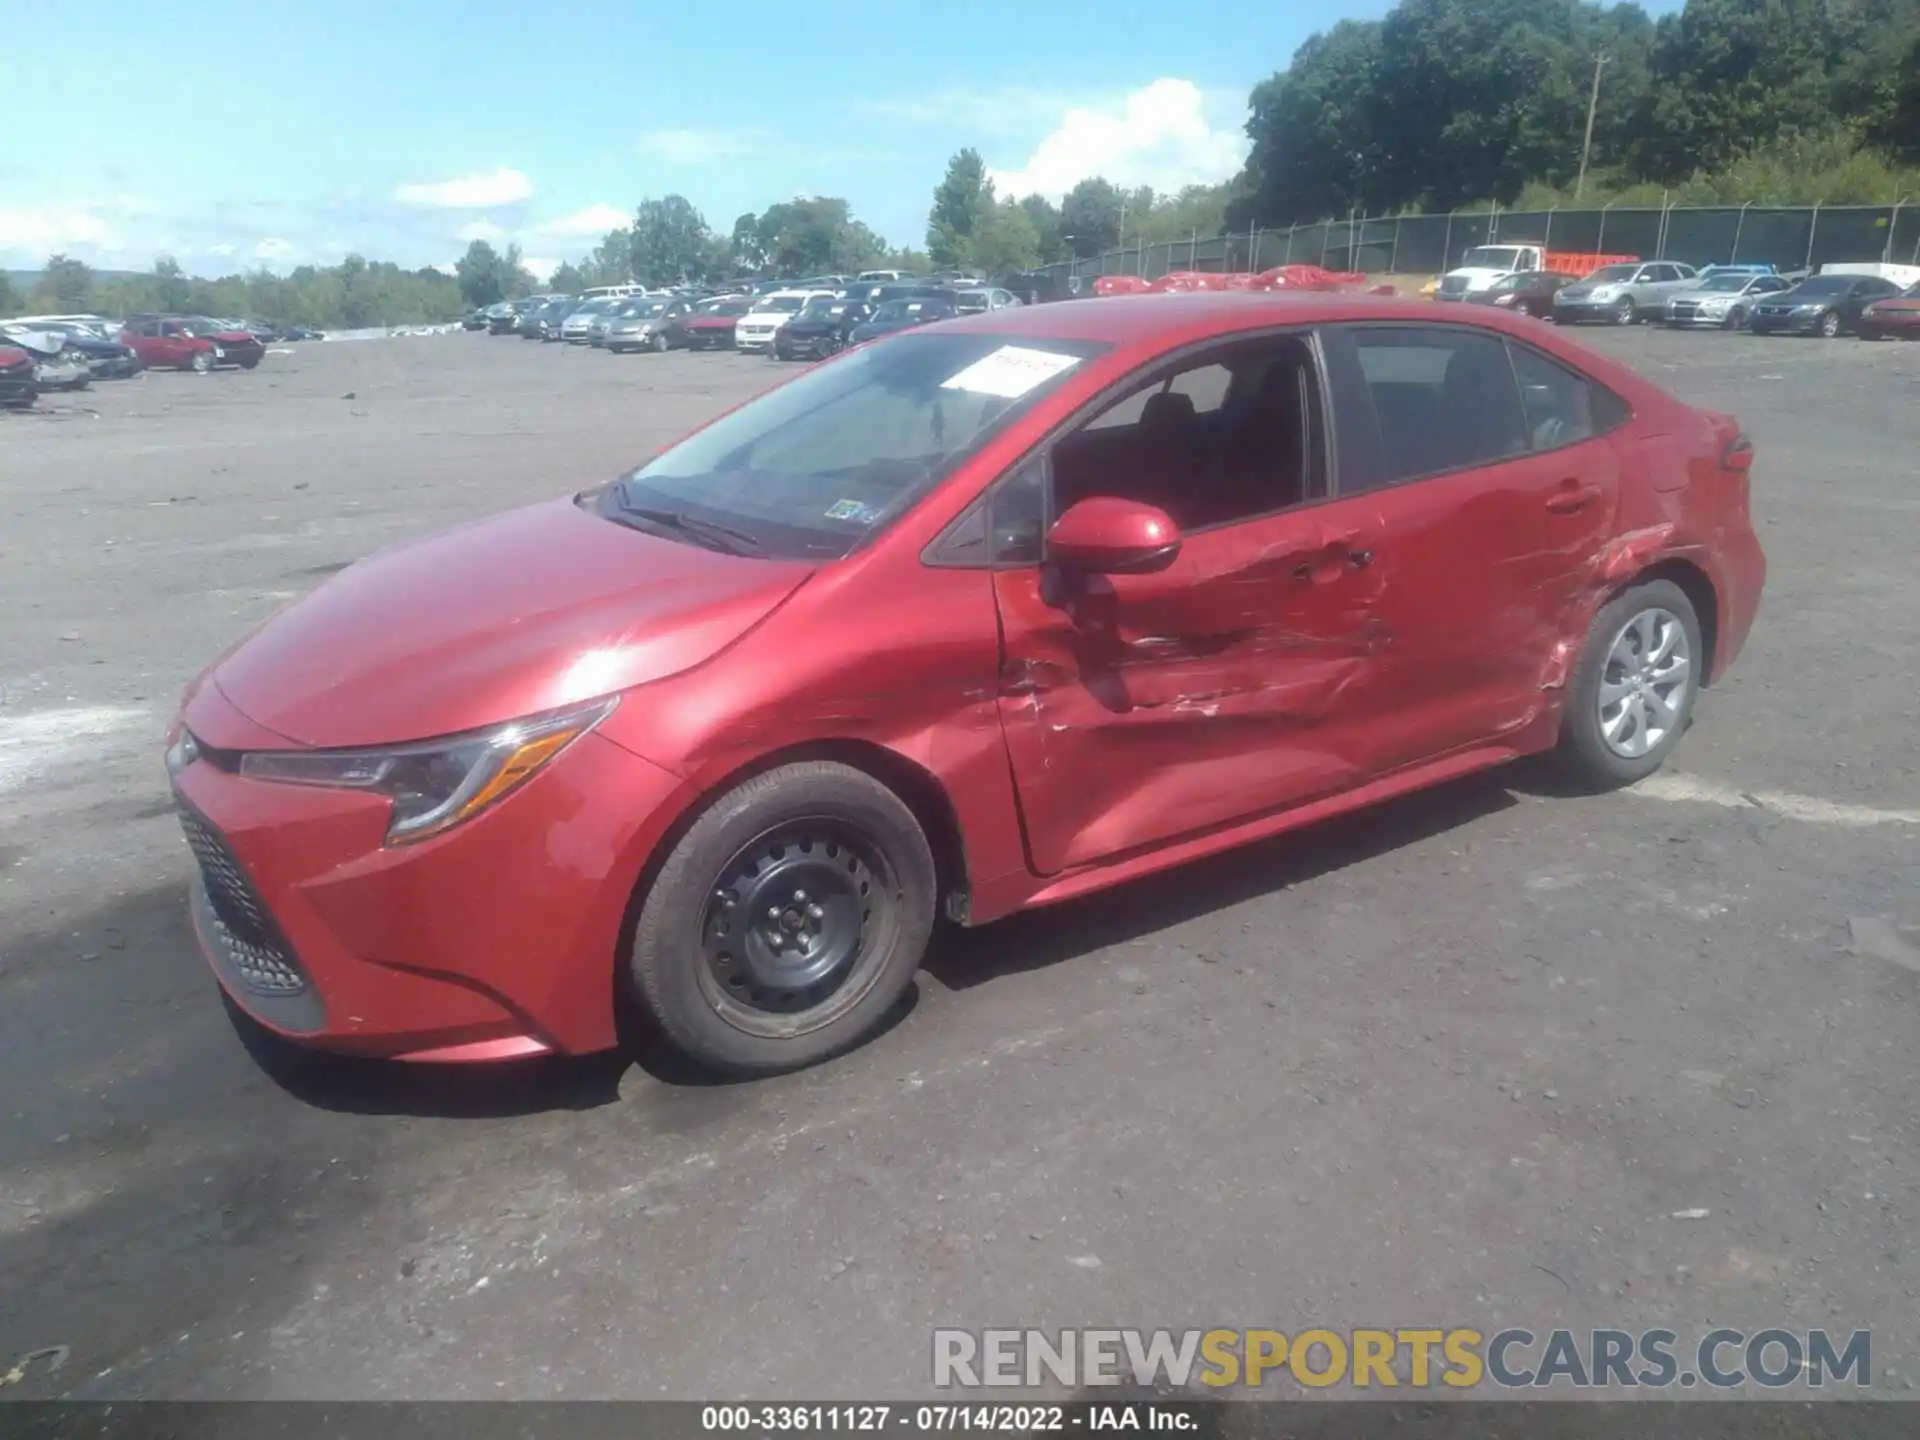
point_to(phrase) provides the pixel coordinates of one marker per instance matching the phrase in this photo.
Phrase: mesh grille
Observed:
(256, 954)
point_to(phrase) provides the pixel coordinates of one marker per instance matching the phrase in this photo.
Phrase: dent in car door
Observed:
(1139, 708)
(1496, 496)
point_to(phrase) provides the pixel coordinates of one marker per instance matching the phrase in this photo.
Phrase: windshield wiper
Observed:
(710, 533)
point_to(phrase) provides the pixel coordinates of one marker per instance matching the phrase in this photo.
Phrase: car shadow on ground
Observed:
(964, 958)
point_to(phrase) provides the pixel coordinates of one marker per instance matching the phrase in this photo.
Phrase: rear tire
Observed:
(1644, 651)
(744, 986)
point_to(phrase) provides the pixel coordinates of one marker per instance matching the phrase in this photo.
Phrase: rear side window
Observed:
(1443, 398)
(1559, 404)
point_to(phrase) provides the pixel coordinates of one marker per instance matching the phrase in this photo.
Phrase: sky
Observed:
(232, 134)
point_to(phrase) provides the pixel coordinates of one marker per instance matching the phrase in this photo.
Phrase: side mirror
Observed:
(1106, 535)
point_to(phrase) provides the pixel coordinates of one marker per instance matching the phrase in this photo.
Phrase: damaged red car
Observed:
(976, 618)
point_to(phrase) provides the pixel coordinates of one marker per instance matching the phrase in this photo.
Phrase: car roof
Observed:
(1132, 319)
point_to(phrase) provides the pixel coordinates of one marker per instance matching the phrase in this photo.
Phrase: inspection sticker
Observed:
(852, 510)
(1011, 371)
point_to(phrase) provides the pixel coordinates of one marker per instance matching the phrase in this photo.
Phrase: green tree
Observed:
(1003, 242)
(9, 297)
(169, 285)
(671, 241)
(568, 279)
(962, 202)
(1044, 216)
(611, 262)
(65, 285)
(486, 276)
(1090, 217)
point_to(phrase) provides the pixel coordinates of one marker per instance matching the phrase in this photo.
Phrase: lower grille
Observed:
(255, 952)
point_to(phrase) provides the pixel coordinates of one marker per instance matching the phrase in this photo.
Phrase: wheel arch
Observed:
(1698, 587)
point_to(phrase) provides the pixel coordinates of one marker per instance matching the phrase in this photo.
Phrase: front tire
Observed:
(1736, 319)
(1632, 694)
(659, 342)
(250, 364)
(1869, 332)
(200, 363)
(1830, 325)
(787, 922)
(1624, 313)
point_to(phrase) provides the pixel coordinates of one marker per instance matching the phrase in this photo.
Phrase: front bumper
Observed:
(1683, 317)
(1574, 311)
(499, 938)
(805, 347)
(759, 339)
(713, 339)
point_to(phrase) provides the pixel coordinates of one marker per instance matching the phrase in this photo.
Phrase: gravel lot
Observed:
(1457, 1061)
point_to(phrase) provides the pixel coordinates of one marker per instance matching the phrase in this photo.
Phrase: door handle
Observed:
(1577, 497)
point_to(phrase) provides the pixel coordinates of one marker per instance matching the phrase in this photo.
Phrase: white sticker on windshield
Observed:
(852, 510)
(1011, 371)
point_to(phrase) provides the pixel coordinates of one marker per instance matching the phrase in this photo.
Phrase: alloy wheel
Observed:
(1645, 684)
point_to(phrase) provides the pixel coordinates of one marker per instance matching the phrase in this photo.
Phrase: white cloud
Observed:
(1158, 135)
(482, 230)
(994, 110)
(595, 220)
(500, 186)
(690, 147)
(41, 230)
(223, 251)
(273, 248)
(541, 269)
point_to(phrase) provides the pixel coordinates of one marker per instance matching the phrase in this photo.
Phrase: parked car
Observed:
(1622, 294)
(543, 322)
(981, 298)
(722, 739)
(291, 333)
(820, 329)
(1822, 305)
(759, 325)
(1530, 292)
(1897, 316)
(710, 325)
(646, 325)
(503, 317)
(903, 315)
(577, 329)
(475, 319)
(18, 389)
(1724, 299)
(56, 365)
(106, 358)
(190, 343)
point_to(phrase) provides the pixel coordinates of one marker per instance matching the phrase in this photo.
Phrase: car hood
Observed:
(704, 322)
(523, 612)
(1903, 304)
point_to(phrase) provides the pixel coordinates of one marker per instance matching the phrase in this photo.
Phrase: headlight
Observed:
(1603, 292)
(1808, 309)
(436, 784)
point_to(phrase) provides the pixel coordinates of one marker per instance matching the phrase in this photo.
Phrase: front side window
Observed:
(809, 470)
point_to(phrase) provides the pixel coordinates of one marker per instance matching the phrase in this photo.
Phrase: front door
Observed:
(1139, 708)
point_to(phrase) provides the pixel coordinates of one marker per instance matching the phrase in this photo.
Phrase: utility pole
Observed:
(1593, 105)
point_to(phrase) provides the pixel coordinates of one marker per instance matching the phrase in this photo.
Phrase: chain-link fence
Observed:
(1786, 238)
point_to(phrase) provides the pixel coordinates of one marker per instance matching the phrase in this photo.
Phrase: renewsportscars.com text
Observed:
(1416, 1358)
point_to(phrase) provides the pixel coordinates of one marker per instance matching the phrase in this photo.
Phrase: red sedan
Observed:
(186, 343)
(1898, 316)
(972, 619)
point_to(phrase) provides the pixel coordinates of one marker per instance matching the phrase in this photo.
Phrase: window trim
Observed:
(1345, 330)
(1156, 372)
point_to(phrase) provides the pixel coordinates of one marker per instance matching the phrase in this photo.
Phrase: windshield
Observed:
(727, 307)
(202, 326)
(599, 306)
(1613, 273)
(781, 305)
(1824, 285)
(1726, 284)
(821, 308)
(814, 466)
(643, 309)
(1490, 257)
(970, 302)
(1912, 292)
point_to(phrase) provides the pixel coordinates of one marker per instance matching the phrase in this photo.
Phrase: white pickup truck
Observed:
(1483, 265)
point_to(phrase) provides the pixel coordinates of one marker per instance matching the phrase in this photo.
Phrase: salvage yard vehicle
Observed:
(184, 342)
(990, 615)
(18, 389)
(502, 317)
(1622, 294)
(1896, 316)
(57, 365)
(644, 324)
(1824, 305)
(759, 325)
(1723, 300)
(711, 325)
(1530, 293)
(1486, 265)
(903, 315)
(821, 329)
(577, 329)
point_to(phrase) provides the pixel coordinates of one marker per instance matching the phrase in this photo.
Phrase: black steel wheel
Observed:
(787, 921)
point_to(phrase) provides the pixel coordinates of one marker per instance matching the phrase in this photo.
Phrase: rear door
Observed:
(1496, 490)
